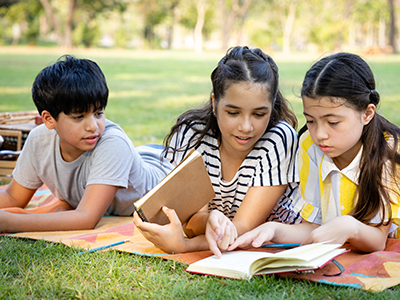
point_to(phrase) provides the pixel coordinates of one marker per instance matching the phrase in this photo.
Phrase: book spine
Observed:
(141, 215)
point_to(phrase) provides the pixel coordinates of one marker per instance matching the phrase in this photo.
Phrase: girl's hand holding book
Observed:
(168, 237)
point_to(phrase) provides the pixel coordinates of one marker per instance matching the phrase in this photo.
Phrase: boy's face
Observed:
(78, 132)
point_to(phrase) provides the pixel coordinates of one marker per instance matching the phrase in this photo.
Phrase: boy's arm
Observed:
(15, 195)
(94, 203)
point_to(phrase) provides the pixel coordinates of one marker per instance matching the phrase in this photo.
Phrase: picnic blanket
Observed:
(374, 271)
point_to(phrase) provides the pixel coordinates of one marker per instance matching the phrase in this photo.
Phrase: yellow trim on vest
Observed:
(307, 211)
(305, 167)
(347, 193)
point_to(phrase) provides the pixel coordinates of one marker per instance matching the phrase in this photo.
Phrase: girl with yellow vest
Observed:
(348, 162)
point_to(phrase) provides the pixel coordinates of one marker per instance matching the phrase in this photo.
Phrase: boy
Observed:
(84, 159)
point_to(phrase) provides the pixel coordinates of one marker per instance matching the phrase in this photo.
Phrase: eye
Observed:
(309, 121)
(333, 123)
(232, 113)
(100, 113)
(260, 115)
(77, 117)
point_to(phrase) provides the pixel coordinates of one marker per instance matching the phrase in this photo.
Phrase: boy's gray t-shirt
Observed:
(114, 161)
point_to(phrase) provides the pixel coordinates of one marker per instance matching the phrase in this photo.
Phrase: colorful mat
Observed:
(374, 272)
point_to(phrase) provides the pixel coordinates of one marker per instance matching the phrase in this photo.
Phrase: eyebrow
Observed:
(324, 116)
(237, 107)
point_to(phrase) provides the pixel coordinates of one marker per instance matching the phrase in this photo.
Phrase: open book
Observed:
(246, 264)
(187, 188)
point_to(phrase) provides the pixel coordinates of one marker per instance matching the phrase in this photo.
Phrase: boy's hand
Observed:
(167, 237)
(220, 232)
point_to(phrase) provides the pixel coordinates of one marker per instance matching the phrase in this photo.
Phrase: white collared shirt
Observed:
(325, 191)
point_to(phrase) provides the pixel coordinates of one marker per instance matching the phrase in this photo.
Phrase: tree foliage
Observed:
(275, 24)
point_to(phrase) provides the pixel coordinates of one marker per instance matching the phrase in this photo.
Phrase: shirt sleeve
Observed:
(180, 141)
(306, 197)
(111, 162)
(278, 161)
(25, 172)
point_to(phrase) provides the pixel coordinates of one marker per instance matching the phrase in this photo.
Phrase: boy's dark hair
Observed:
(239, 65)
(70, 85)
(348, 77)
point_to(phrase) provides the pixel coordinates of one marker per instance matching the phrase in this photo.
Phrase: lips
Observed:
(242, 139)
(325, 148)
(91, 139)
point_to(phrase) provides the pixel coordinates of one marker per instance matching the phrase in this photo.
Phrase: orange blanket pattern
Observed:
(373, 271)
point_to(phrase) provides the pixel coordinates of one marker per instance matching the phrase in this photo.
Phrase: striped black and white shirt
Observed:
(272, 161)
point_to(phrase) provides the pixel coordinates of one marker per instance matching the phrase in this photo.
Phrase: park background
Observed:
(157, 57)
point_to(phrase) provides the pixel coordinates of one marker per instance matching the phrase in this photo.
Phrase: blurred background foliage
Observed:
(368, 26)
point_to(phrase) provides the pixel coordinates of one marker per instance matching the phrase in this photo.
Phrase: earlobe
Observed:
(48, 120)
(369, 113)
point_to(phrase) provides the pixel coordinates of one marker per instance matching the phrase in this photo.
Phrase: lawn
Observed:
(147, 92)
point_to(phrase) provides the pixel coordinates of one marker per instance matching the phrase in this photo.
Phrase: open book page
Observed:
(300, 256)
(294, 264)
(244, 264)
(234, 264)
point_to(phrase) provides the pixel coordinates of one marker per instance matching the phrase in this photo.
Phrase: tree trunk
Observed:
(229, 18)
(288, 28)
(382, 29)
(68, 25)
(198, 29)
(392, 27)
(51, 19)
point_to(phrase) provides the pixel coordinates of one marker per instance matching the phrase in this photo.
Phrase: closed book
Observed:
(186, 189)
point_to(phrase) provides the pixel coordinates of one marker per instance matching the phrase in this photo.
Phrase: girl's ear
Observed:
(48, 120)
(369, 113)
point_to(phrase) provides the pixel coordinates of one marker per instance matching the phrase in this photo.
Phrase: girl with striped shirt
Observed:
(348, 162)
(247, 139)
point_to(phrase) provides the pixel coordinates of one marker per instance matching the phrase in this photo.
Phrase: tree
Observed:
(62, 17)
(392, 26)
(288, 15)
(231, 10)
(201, 6)
(155, 12)
(23, 17)
(198, 16)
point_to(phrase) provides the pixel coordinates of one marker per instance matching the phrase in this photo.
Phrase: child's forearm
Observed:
(6, 200)
(289, 233)
(197, 243)
(58, 221)
(196, 224)
(15, 195)
(369, 238)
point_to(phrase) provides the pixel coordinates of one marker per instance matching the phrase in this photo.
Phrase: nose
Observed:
(321, 133)
(91, 123)
(246, 124)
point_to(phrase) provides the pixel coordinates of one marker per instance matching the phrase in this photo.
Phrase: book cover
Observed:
(186, 189)
(246, 264)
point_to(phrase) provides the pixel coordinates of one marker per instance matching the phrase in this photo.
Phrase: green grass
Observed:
(147, 92)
